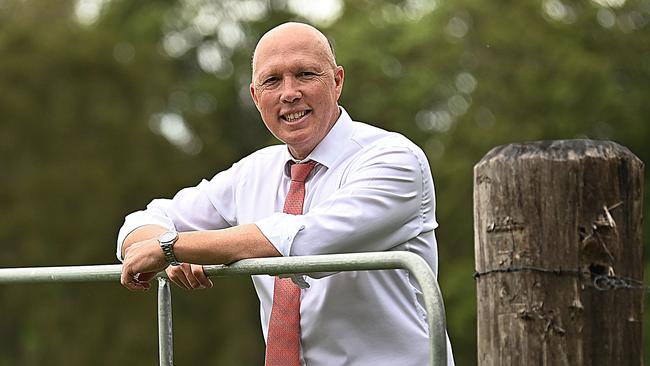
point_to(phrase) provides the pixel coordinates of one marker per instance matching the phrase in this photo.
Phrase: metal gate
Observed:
(260, 266)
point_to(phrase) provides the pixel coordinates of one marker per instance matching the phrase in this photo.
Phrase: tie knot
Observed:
(299, 172)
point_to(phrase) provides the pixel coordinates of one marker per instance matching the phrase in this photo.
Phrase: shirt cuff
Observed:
(136, 220)
(281, 229)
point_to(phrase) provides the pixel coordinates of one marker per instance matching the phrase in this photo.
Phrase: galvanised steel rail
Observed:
(260, 266)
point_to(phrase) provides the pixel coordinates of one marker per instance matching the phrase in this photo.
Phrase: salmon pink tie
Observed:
(283, 342)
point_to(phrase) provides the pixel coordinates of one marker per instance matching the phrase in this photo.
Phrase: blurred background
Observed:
(99, 99)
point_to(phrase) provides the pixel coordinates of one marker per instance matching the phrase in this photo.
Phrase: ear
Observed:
(254, 96)
(339, 76)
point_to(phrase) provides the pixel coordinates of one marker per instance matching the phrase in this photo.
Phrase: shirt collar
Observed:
(331, 146)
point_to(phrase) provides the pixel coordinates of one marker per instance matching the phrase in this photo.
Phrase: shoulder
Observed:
(374, 140)
(387, 150)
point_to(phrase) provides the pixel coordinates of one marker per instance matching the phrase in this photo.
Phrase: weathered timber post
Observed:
(557, 228)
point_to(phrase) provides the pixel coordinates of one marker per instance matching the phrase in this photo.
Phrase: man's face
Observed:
(296, 88)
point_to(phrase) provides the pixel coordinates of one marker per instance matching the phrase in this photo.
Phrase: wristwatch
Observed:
(167, 241)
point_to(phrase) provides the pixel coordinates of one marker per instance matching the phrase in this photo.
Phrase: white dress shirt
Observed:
(371, 191)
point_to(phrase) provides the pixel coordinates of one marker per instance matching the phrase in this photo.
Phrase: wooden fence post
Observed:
(558, 250)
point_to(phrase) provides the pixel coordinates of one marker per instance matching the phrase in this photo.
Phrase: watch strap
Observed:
(167, 246)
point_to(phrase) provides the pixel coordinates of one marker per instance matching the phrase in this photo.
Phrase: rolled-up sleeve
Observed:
(281, 229)
(207, 206)
(136, 220)
(382, 202)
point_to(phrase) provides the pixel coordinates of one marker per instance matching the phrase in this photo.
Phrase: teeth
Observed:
(294, 116)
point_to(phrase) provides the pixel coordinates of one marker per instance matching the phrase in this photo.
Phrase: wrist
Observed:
(166, 241)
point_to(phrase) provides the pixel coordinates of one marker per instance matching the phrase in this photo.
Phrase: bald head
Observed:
(296, 85)
(297, 33)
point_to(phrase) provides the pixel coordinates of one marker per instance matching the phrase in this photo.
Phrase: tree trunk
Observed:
(557, 228)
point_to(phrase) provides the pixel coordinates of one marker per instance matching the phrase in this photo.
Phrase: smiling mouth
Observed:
(292, 117)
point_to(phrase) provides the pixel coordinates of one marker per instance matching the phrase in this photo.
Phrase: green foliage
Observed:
(82, 140)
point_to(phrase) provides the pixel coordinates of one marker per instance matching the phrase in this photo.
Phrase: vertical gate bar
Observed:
(434, 307)
(165, 338)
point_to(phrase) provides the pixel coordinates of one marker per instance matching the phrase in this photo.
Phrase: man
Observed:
(337, 186)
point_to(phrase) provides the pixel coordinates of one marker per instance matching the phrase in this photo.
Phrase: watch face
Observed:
(168, 237)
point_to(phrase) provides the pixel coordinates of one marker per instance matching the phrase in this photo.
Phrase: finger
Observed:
(146, 277)
(142, 285)
(199, 273)
(131, 281)
(189, 275)
(177, 276)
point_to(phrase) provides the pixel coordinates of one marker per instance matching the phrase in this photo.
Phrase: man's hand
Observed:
(143, 257)
(188, 276)
(142, 261)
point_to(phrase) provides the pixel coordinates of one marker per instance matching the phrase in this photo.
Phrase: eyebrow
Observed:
(271, 70)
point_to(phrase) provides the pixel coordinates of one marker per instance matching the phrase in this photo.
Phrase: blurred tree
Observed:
(98, 97)
(79, 104)
(469, 75)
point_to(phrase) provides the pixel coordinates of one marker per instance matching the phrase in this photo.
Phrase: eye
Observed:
(270, 81)
(307, 74)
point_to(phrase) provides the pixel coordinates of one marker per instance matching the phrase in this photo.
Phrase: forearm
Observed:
(223, 246)
(143, 257)
(142, 233)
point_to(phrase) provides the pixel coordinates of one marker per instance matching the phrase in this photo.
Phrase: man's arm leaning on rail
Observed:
(143, 257)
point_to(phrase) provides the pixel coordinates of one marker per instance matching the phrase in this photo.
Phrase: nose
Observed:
(290, 91)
